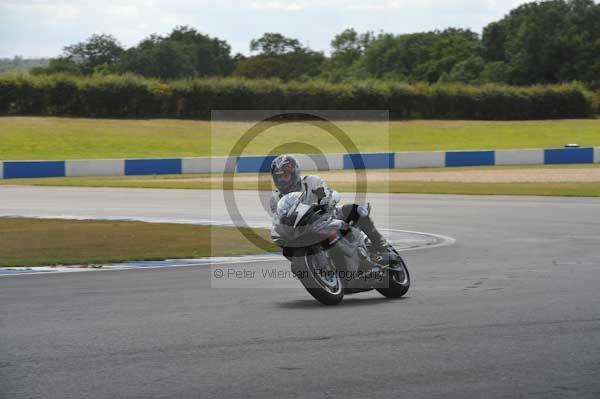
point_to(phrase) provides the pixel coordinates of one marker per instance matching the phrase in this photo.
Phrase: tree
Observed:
(210, 56)
(160, 59)
(349, 45)
(97, 50)
(467, 71)
(447, 49)
(348, 48)
(290, 66)
(272, 44)
(493, 42)
(20, 64)
(419, 56)
(280, 57)
(496, 72)
(58, 65)
(183, 53)
(389, 56)
(547, 42)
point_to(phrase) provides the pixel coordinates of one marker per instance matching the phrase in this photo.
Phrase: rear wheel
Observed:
(398, 280)
(318, 275)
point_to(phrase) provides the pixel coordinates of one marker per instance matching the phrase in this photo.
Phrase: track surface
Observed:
(511, 310)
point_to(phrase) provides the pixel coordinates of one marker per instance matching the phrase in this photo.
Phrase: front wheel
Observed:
(317, 274)
(398, 279)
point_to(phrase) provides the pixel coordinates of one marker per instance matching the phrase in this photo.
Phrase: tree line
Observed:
(20, 64)
(543, 42)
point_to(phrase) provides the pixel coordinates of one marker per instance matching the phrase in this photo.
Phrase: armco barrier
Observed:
(254, 164)
(321, 162)
(166, 166)
(433, 159)
(519, 157)
(257, 163)
(470, 158)
(206, 165)
(369, 161)
(24, 169)
(95, 167)
(569, 155)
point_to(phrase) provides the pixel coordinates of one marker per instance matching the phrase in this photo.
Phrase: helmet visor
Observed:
(285, 178)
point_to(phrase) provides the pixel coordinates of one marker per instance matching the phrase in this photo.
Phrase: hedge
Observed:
(596, 102)
(129, 96)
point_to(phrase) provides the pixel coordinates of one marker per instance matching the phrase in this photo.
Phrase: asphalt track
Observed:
(512, 309)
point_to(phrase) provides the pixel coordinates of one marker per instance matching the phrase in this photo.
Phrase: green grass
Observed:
(263, 181)
(34, 242)
(538, 189)
(78, 138)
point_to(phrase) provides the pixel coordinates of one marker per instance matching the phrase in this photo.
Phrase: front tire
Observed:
(325, 287)
(398, 279)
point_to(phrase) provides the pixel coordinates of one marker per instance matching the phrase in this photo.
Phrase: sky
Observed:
(41, 28)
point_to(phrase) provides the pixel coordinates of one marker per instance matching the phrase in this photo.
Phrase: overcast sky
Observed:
(41, 28)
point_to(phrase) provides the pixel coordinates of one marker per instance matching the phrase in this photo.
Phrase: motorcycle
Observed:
(332, 257)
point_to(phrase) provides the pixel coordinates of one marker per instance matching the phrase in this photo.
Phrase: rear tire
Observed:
(327, 288)
(398, 279)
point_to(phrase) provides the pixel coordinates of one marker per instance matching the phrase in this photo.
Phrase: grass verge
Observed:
(538, 189)
(339, 181)
(24, 138)
(35, 242)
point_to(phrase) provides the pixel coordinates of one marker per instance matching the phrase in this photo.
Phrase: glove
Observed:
(327, 197)
(364, 210)
(328, 201)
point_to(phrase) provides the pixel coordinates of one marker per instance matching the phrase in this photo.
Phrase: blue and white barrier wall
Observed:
(259, 163)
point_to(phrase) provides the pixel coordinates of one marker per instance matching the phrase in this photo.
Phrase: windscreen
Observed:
(288, 202)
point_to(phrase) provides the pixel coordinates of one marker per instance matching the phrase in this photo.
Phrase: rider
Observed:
(285, 171)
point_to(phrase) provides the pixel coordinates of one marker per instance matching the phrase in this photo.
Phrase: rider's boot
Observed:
(378, 241)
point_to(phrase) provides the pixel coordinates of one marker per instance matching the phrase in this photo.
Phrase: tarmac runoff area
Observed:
(510, 310)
